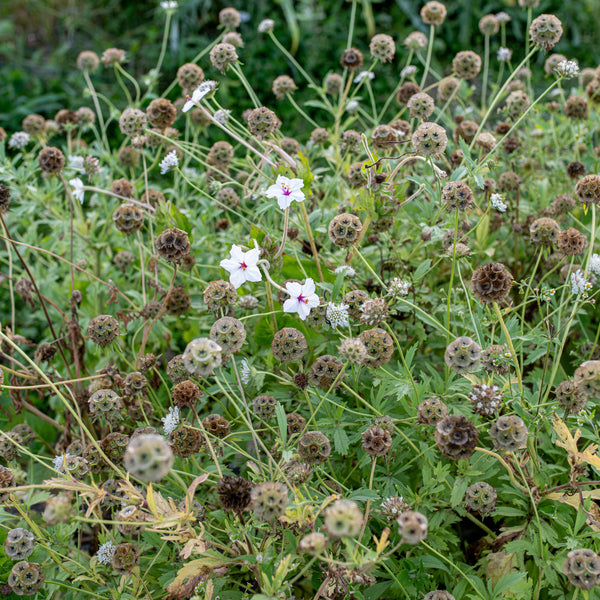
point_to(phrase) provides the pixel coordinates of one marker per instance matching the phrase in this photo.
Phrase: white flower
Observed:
(242, 266)
(579, 284)
(266, 25)
(504, 54)
(594, 265)
(398, 287)
(204, 88)
(347, 270)
(245, 375)
(59, 461)
(169, 4)
(497, 201)
(363, 75)
(567, 69)
(78, 188)
(337, 314)
(352, 106)
(76, 162)
(171, 421)
(222, 116)
(302, 298)
(408, 71)
(19, 140)
(170, 161)
(286, 191)
(106, 552)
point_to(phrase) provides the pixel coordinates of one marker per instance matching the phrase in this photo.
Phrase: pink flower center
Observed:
(285, 188)
(301, 298)
(243, 266)
(188, 97)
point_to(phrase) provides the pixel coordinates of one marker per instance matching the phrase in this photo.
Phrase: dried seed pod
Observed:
(51, 160)
(509, 433)
(352, 59)
(314, 447)
(433, 13)
(295, 424)
(481, 498)
(545, 31)
(223, 55)
(263, 121)
(571, 242)
(176, 370)
(412, 526)
(216, 425)
(429, 139)
(376, 441)
(269, 500)
(456, 437)
(343, 519)
(26, 578)
(431, 411)
(466, 64)
(355, 300)
(189, 77)
(185, 441)
(491, 282)
(379, 345)
(582, 568)
(463, 355)
(354, 350)
(570, 396)
(148, 457)
(173, 244)
(289, 345)
(219, 294)
(544, 231)
(161, 113)
(103, 329)
(457, 195)
(202, 356)
(125, 558)
(229, 333)
(587, 378)
(421, 106)
(345, 229)
(186, 394)
(382, 47)
(263, 406)
(325, 370)
(128, 218)
(312, 543)
(19, 543)
(234, 493)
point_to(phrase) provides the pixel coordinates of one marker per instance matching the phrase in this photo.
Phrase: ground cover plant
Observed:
(357, 358)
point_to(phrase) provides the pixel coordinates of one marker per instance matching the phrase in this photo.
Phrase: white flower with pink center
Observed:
(302, 298)
(242, 266)
(286, 190)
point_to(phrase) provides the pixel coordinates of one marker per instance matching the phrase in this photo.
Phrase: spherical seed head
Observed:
(233, 38)
(228, 197)
(314, 447)
(283, 85)
(289, 345)
(112, 56)
(222, 55)
(295, 424)
(457, 195)
(114, 446)
(177, 302)
(128, 156)
(105, 403)
(217, 426)
(491, 282)
(185, 441)
(8, 449)
(587, 378)
(202, 356)
(412, 526)
(466, 64)
(312, 543)
(582, 568)
(485, 399)
(382, 47)
(290, 145)
(234, 493)
(587, 189)
(344, 230)
(325, 371)
(125, 558)
(219, 294)
(429, 139)
(65, 117)
(269, 500)
(148, 457)
(421, 105)
(103, 329)
(19, 543)
(466, 130)
(263, 121)
(456, 437)
(33, 124)
(351, 141)
(406, 91)
(463, 355)
(355, 176)
(374, 312)
(221, 154)
(433, 13)
(4, 198)
(26, 578)
(353, 350)
(319, 136)
(189, 77)
(544, 231)
(7, 479)
(509, 433)
(333, 84)
(431, 411)
(379, 345)
(132, 122)
(577, 107)
(263, 406)
(176, 370)
(186, 394)
(85, 116)
(545, 31)
(229, 17)
(161, 113)
(489, 25)
(352, 59)
(552, 62)
(509, 181)
(415, 41)
(517, 103)
(122, 187)
(128, 218)
(51, 160)
(343, 519)
(229, 333)
(438, 595)
(376, 441)
(571, 242)
(88, 61)
(447, 88)
(571, 397)
(384, 137)
(173, 244)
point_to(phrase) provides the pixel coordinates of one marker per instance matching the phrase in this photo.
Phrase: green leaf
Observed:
(363, 494)
(340, 441)
(458, 491)
(507, 582)
(281, 422)
(422, 270)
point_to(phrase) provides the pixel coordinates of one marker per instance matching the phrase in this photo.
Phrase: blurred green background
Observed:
(40, 40)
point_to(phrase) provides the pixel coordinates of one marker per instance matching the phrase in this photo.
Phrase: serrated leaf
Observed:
(340, 441)
(364, 494)
(458, 491)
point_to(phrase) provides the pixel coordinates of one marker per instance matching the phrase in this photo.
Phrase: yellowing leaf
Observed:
(565, 439)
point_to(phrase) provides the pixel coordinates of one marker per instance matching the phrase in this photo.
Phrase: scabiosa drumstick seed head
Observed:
(544, 231)
(374, 312)
(185, 441)
(319, 136)
(85, 116)
(128, 156)
(379, 345)
(229, 333)
(112, 56)
(25, 431)
(545, 31)
(219, 294)
(33, 124)
(457, 195)
(431, 411)
(295, 424)
(8, 449)
(51, 160)
(485, 399)
(229, 17)
(223, 55)
(582, 568)
(552, 62)
(128, 218)
(161, 113)
(325, 370)
(577, 108)
(289, 345)
(438, 595)
(176, 370)
(344, 230)
(7, 479)
(509, 433)
(269, 500)
(283, 85)
(447, 88)
(353, 350)
(4, 198)
(421, 105)
(456, 437)
(263, 406)
(114, 446)
(352, 59)
(93, 457)
(312, 543)
(233, 38)
(355, 176)
(433, 13)
(412, 526)
(262, 121)
(314, 447)
(481, 498)
(517, 103)
(134, 384)
(202, 356)
(587, 189)
(587, 378)
(384, 137)
(26, 578)
(466, 64)
(429, 139)
(132, 122)
(376, 441)
(572, 242)
(343, 519)
(177, 302)
(290, 145)
(382, 46)
(186, 394)
(491, 282)
(189, 77)
(228, 197)
(148, 457)
(466, 130)
(406, 91)
(125, 558)
(173, 244)
(221, 154)
(122, 187)
(415, 40)
(571, 397)
(19, 543)
(351, 141)
(489, 25)
(103, 329)
(333, 84)
(234, 493)
(105, 403)
(88, 61)
(463, 355)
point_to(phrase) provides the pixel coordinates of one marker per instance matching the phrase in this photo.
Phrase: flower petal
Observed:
(238, 278)
(309, 287)
(294, 289)
(253, 274)
(230, 265)
(291, 305)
